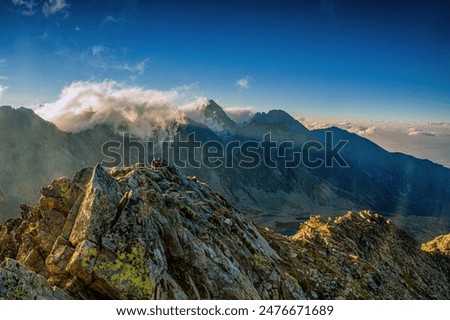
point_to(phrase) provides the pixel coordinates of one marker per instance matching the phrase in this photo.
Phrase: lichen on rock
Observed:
(128, 274)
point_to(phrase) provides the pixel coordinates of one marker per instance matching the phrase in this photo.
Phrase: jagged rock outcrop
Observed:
(151, 233)
(360, 256)
(439, 244)
(19, 282)
(141, 233)
(439, 249)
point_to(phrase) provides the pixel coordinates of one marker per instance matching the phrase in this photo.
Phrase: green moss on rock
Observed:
(128, 274)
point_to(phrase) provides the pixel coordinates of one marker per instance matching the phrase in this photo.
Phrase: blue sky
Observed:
(343, 59)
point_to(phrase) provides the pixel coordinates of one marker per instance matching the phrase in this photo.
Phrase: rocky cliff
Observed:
(151, 233)
(139, 233)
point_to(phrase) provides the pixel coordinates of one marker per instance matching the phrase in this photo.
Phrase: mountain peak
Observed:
(279, 117)
(213, 110)
(213, 106)
(217, 120)
(24, 118)
(274, 116)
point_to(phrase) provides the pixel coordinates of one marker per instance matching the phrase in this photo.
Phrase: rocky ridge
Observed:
(361, 256)
(151, 233)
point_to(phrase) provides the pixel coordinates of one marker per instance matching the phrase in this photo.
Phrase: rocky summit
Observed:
(138, 233)
(151, 233)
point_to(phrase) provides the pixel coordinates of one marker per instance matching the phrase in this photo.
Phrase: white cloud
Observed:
(416, 132)
(28, 5)
(194, 109)
(140, 67)
(243, 83)
(314, 125)
(362, 131)
(51, 7)
(83, 105)
(99, 49)
(4, 78)
(239, 115)
(2, 89)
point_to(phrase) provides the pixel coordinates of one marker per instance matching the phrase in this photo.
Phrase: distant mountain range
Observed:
(34, 151)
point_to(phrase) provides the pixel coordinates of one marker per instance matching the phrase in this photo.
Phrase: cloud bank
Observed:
(83, 105)
(415, 132)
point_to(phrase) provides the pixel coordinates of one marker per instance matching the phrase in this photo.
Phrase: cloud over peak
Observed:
(239, 115)
(83, 105)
